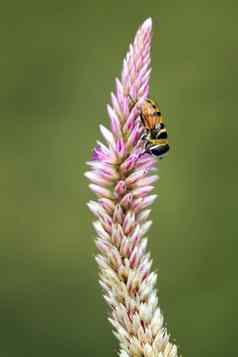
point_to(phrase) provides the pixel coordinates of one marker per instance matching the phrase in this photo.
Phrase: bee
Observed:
(155, 134)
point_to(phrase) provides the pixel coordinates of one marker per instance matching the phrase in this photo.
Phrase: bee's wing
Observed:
(152, 120)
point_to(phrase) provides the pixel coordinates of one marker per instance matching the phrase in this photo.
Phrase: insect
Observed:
(155, 135)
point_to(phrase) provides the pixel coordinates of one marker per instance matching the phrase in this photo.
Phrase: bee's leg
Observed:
(147, 148)
(142, 144)
(144, 151)
(142, 119)
(144, 134)
(143, 137)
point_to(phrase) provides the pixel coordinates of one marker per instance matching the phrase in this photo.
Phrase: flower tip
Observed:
(148, 23)
(90, 163)
(106, 134)
(90, 206)
(95, 153)
(86, 174)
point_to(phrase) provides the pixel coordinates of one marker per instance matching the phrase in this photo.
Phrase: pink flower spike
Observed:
(134, 258)
(144, 89)
(125, 73)
(143, 215)
(95, 155)
(129, 222)
(107, 204)
(120, 148)
(116, 106)
(100, 230)
(145, 78)
(147, 27)
(137, 175)
(133, 89)
(118, 214)
(145, 227)
(141, 203)
(107, 135)
(129, 164)
(103, 169)
(120, 188)
(103, 265)
(144, 70)
(124, 248)
(119, 91)
(121, 177)
(146, 162)
(146, 181)
(136, 233)
(102, 246)
(142, 191)
(96, 178)
(117, 234)
(100, 191)
(134, 136)
(101, 152)
(127, 200)
(131, 120)
(147, 201)
(125, 107)
(115, 122)
(96, 208)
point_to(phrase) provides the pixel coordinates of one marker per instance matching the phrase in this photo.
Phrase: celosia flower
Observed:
(122, 177)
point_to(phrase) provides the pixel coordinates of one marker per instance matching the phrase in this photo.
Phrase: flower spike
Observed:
(120, 176)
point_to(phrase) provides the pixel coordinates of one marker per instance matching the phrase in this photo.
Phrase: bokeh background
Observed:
(58, 61)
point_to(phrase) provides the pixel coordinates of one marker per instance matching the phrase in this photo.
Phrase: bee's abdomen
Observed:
(159, 150)
(162, 134)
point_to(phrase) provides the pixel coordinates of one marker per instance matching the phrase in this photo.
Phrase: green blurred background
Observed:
(58, 61)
